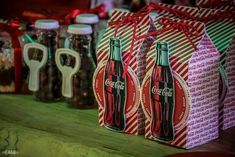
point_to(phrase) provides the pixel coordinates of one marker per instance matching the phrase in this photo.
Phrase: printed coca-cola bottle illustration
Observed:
(115, 88)
(162, 96)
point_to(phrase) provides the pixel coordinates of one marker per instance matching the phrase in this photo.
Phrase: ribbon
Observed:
(13, 30)
(170, 24)
(167, 23)
(181, 26)
(128, 20)
(178, 13)
(220, 15)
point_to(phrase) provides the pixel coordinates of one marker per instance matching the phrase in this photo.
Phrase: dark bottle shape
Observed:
(115, 89)
(50, 77)
(162, 96)
(80, 41)
(92, 20)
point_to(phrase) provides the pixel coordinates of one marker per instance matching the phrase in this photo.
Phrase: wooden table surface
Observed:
(36, 129)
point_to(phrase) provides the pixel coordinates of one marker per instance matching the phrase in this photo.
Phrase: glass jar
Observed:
(7, 81)
(62, 35)
(93, 20)
(49, 75)
(80, 41)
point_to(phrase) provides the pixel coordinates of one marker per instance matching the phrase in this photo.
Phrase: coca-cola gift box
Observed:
(10, 59)
(180, 92)
(121, 68)
(220, 26)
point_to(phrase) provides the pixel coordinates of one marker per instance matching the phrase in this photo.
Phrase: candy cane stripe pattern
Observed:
(134, 123)
(185, 49)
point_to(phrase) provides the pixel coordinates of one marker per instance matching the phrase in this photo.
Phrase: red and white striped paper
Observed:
(135, 123)
(185, 62)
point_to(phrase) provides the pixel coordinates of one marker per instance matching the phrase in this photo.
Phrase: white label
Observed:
(163, 92)
(116, 85)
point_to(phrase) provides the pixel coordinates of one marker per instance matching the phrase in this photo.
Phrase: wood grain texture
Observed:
(38, 129)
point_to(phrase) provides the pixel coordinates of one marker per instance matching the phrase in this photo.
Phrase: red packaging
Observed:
(126, 27)
(194, 64)
(220, 26)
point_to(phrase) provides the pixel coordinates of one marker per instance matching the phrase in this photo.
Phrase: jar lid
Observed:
(87, 18)
(81, 29)
(47, 24)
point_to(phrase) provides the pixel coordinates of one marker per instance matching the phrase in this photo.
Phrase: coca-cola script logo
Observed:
(162, 92)
(116, 85)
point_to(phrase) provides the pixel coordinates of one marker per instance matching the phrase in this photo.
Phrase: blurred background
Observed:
(14, 8)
